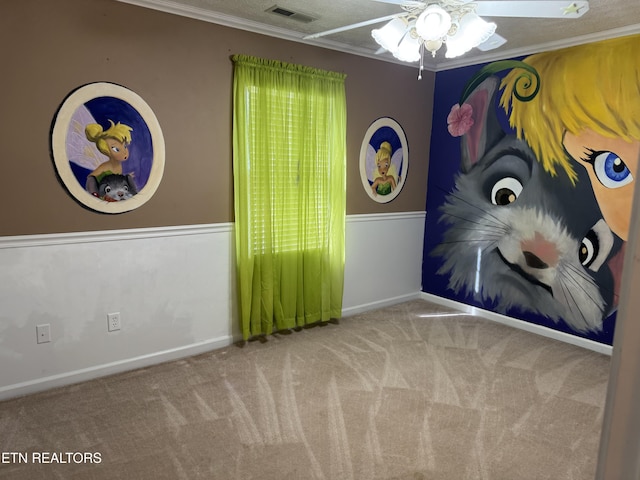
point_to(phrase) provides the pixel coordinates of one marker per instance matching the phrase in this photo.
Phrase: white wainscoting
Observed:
(174, 288)
(383, 260)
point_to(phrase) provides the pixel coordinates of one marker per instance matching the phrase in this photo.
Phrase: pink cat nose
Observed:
(539, 252)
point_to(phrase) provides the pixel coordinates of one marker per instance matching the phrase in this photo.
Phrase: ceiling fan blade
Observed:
(534, 9)
(353, 25)
(493, 42)
(404, 3)
(423, 3)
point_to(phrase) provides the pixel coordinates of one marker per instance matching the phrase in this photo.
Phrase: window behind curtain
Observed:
(286, 197)
(289, 177)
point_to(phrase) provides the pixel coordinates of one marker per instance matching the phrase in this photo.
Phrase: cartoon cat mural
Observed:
(116, 188)
(516, 237)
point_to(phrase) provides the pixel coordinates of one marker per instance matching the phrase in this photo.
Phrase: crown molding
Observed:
(223, 19)
(542, 47)
(206, 15)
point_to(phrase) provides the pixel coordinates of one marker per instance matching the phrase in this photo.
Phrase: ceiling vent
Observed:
(285, 12)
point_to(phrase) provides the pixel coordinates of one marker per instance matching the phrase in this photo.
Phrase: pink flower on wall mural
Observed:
(460, 119)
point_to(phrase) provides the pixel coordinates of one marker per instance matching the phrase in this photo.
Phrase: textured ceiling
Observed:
(605, 19)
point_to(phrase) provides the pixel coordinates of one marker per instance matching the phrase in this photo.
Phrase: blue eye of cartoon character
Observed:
(611, 170)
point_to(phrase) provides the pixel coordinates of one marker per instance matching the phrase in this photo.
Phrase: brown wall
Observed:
(181, 68)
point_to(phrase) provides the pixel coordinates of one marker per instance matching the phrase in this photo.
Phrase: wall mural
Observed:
(531, 182)
(108, 148)
(384, 160)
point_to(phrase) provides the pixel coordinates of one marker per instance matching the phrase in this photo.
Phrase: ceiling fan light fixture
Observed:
(391, 34)
(472, 31)
(433, 23)
(426, 25)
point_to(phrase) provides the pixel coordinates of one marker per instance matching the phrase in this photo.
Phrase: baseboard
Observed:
(54, 381)
(520, 324)
(347, 312)
(91, 373)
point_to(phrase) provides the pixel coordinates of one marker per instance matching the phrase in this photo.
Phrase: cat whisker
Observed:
(488, 233)
(578, 271)
(577, 306)
(584, 276)
(477, 208)
(468, 241)
(565, 276)
(498, 226)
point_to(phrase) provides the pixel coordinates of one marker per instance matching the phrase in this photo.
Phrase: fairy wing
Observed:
(370, 163)
(80, 150)
(396, 160)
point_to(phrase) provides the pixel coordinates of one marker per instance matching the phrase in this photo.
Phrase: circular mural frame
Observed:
(108, 148)
(384, 160)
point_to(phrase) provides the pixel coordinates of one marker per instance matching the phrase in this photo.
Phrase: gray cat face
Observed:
(115, 187)
(517, 237)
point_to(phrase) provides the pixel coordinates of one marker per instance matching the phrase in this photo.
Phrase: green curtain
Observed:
(289, 167)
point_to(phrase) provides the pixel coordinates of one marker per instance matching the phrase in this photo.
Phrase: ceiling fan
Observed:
(428, 24)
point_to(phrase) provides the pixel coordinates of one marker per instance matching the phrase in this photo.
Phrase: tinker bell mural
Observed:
(384, 160)
(108, 148)
(535, 223)
(107, 180)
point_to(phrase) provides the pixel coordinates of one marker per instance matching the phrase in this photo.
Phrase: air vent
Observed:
(285, 12)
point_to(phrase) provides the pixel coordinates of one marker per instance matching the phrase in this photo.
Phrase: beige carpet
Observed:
(413, 391)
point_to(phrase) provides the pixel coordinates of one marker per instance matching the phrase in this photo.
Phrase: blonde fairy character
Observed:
(588, 110)
(114, 143)
(385, 175)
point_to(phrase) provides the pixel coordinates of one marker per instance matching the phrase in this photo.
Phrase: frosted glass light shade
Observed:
(472, 31)
(409, 49)
(390, 35)
(433, 23)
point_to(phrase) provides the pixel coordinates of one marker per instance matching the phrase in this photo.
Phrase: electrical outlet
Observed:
(113, 321)
(43, 333)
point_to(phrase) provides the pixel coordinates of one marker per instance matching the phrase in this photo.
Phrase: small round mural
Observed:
(384, 160)
(108, 148)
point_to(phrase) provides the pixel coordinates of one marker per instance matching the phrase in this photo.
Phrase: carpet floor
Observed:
(413, 391)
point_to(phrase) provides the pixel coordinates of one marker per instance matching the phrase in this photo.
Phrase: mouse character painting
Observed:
(512, 235)
(108, 148)
(116, 188)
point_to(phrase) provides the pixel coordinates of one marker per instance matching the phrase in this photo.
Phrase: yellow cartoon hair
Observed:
(383, 152)
(594, 86)
(118, 131)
